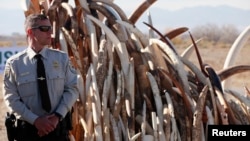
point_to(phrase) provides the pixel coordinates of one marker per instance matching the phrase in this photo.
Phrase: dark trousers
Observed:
(28, 132)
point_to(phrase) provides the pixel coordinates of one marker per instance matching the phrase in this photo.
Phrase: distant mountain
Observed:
(202, 15)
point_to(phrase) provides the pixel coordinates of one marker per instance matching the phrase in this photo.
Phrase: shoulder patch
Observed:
(7, 72)
(71, 67)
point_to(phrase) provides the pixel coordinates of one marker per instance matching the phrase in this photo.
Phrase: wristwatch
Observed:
(60, 117)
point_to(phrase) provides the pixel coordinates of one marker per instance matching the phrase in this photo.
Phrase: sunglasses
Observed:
(43, 28)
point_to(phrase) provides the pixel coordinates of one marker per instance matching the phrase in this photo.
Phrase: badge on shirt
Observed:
(7, 72)
(55, 64)
(25, 73)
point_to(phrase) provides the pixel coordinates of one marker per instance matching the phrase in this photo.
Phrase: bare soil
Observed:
(213, 56)
(3, 135)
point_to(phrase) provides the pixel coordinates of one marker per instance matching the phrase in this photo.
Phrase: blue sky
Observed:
(13, 16)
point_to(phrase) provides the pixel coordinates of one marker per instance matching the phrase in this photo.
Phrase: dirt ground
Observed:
(3, 136)
(215, 57)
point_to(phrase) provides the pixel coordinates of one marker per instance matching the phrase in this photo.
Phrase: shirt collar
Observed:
(31, 53)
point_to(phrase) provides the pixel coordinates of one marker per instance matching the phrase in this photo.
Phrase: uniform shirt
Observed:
(20, 87)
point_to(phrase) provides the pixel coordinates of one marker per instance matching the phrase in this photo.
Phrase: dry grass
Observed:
(10, 44)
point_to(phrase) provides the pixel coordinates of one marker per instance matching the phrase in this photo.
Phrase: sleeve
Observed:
(11, 96)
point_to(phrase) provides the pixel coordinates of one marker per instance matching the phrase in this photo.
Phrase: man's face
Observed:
(42, 33)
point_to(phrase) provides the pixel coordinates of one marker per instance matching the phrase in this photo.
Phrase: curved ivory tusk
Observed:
(106, 125)
(111, 16)
(136, 136)
(177, 64)
(131, 89)
(63, 43)
(143, 122)
(151, 32)
(87, 81)
(35, 6)
(161, 133)
(115, 7)
(174, 129)
(154, 125)
(166, 123)
(122, 52)
(118, 101)
(201, 77)
(226, 73)
(84, 5)
(144, 40)
(74, 26)
(200, 61)
(98, 133)
(238, 108)
(80, 87)
(173, 33)
(25, 4)
(68, 8)
(226, 107)
(71, 137)
(148, 138)
(197, 119)
(101, 69)
(210, 118)
(166, 40)
(140, 10)
(96, 95)
(214, 78)
(244, 101)
(120, 47)
(107, 86)
(123, 128)
(84, 124)
(60, 21)
(205, 81)
(187, 52)
(233, 52)
(114, 128)
(93, 41)
(73, 47)
(146, 126)
(96, 107)
(88, 126)
(157, 97)
(104, 11)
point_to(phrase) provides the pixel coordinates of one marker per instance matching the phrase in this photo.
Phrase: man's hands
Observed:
(46, 124)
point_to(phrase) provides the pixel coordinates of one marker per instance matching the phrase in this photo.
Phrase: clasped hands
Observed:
(46, 124)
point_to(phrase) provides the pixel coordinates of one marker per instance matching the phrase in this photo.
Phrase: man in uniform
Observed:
(21, 89)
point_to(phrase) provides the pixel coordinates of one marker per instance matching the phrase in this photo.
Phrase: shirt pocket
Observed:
(27, 85)
(56, 81)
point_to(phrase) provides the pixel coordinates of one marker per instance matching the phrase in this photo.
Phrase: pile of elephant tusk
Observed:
(134, 86)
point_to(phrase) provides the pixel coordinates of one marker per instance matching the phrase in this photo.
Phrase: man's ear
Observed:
(29, 31)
